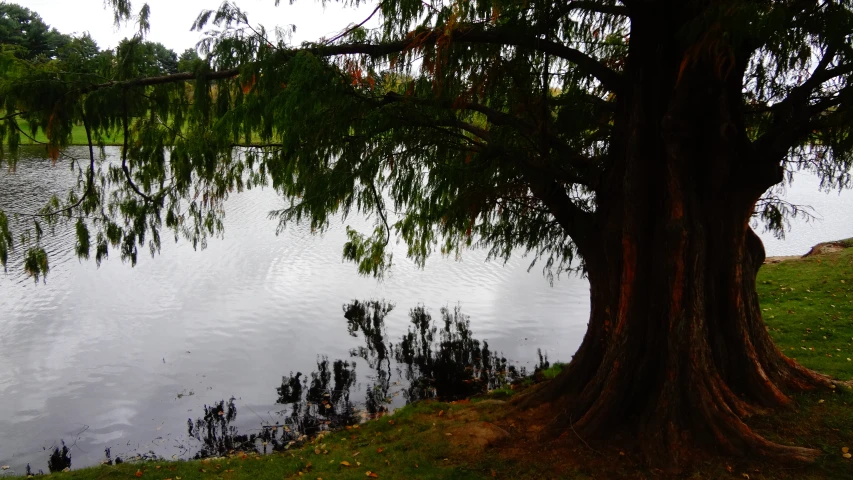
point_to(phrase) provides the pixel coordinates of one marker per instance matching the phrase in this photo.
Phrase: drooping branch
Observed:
(11, 115)
(90, 180)
(381, 209)
(124, 150)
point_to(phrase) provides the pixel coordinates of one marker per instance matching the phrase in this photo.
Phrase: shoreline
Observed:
(821, 248)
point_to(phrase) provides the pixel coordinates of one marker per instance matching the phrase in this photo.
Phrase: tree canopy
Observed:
(23, 29)
(449, 108)
(630, 139)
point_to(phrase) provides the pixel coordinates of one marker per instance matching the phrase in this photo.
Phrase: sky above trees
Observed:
(171, 19)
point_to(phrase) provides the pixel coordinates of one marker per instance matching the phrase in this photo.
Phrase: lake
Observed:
(121, 357)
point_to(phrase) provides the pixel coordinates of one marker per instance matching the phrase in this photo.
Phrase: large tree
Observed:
(631, 140)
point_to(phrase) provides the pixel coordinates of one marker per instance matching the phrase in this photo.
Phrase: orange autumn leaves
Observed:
(357, 76)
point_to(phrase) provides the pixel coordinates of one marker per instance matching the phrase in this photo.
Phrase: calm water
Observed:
(120, 357)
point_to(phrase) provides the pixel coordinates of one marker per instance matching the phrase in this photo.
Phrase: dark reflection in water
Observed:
(433, 360)
(59, 460)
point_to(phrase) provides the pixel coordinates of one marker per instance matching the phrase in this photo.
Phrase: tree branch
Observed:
(124, 167)
(499, 118)
(792, 116)
(381, 211)
(574, 221)
(11, 115)
(474, 34)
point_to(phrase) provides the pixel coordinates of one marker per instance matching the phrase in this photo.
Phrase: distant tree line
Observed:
(24, 34)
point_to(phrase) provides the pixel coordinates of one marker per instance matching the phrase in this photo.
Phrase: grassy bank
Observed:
(808, 306)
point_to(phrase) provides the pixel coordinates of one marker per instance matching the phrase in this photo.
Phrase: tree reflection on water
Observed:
(434, 359)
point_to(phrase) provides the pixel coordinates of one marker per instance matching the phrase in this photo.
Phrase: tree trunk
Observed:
(676, 347)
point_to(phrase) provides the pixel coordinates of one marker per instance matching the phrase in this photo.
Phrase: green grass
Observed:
(410, 444)
(808, 306)
(78, 136)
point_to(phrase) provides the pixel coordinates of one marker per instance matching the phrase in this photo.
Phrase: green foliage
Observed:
(454, 125)
(82, 239)
(5, 239)
(28, 35)
(35, 263)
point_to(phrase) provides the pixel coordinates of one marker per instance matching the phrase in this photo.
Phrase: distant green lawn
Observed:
(78, 136)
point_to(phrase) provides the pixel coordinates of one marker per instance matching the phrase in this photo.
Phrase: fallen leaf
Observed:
(379, 450)
(844, 449)
(355, 454)
(820, 401)
(494, 473)
(316, 451)
(448, 434)
(391, 422)
(441, 413)
(139, 473)
(371, 474)
(345, 463)
(358, 464)
(847, 455)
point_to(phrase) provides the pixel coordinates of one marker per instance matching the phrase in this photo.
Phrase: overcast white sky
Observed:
(171, 19)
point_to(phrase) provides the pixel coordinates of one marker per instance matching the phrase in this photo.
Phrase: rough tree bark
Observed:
(676, 346)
